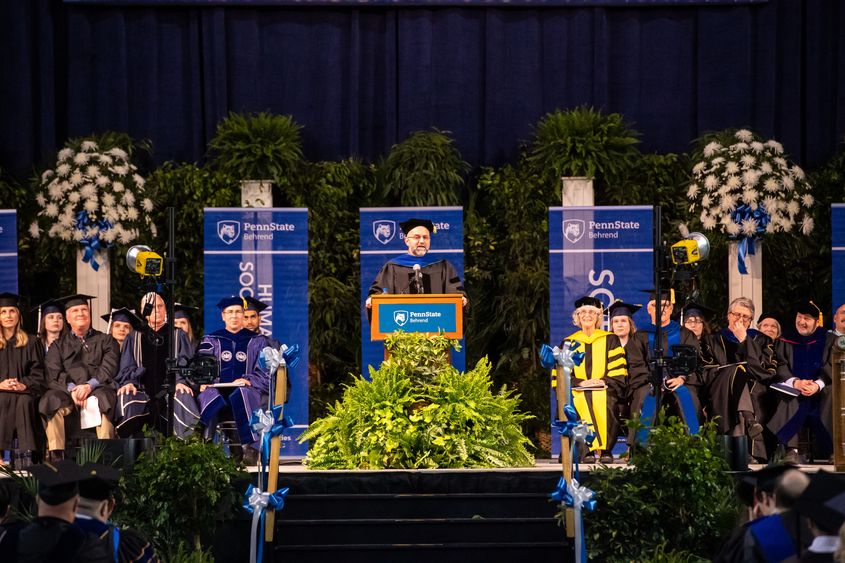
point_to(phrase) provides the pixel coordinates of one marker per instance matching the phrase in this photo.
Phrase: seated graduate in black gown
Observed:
(21, 378)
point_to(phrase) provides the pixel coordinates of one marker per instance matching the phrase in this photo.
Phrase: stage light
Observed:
(143, 261)
(694, 248)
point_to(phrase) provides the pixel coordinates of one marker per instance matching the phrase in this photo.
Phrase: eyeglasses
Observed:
(693, 321)
(587, 313)
(419, 237)
(746, 318)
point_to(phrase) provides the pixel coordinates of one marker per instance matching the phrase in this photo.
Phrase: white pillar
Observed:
(256, 193)
(96, 284)
(749, 285)
(577, 191)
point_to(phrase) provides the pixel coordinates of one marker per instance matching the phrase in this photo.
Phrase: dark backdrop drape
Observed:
(361, 79)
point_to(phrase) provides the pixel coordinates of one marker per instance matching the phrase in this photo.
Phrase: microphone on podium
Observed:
(418, 278)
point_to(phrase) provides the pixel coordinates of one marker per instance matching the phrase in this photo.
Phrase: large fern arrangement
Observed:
(417, 411)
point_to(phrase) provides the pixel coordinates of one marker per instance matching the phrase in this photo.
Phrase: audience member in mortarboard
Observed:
(694, 318)
(21, 377)
(620, 316)
(51, 536)
(80, 367)
(679, 392)
(246, 383)
(252, 313)
(773, 531)
(810, 368)
(418, 271)
(120, 322)
(96, 505)
(596, 392)
(143, 369)
(51, 322)
(823, 503)
(182, 319)
(736, 358)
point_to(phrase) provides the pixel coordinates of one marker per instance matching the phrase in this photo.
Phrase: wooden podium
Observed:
(430, 314)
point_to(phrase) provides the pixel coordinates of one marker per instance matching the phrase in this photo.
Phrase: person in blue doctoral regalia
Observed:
(243, 385)
(418, 271)
(810, 366)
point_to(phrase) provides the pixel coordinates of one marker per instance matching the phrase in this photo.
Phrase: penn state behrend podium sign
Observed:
(604, 252)
(382, 239)
(431, 314)
(263, 253)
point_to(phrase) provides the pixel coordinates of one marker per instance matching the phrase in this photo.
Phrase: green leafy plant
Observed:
(678, 492)
(582, 142)
(179, 494)
(420, 416)
(261, 146)
(424, 169)
(25, 508)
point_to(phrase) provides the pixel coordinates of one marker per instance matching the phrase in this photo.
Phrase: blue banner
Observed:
(837, 246)
(605, 252)
(382, 240)
(263, 252)
(8, 251)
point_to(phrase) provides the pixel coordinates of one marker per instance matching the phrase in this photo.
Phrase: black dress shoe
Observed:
(589, 458)
(792, 456)
(55, 455)
(606, 458)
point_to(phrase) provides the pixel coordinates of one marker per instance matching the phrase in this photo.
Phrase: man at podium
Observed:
(417, 272)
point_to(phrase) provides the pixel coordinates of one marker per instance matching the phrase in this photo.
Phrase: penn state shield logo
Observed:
(400, 317)
(384, 230)
(573, 230)
(228, 231)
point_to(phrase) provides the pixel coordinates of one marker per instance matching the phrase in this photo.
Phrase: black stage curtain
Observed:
(362, 79)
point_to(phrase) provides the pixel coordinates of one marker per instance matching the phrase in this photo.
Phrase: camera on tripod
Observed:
(200, 370)
(683, 361)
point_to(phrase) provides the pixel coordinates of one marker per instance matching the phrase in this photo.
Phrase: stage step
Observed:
(410, 516)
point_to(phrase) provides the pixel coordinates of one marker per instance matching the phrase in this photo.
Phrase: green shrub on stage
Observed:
(679, 494)
(177, 497)
(419, 412)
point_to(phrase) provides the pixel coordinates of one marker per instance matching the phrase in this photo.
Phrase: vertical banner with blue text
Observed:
(263, 252)
(837, 254)
(8, 251)
(605, 252)
(382, 239)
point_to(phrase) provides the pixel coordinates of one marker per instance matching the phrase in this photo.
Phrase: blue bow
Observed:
(91, 244)
(573, 427)
(578, 498)
(271, 358)
(746, 242)
(568, 357)
(291, 355)
(256, 503)
(268, 424)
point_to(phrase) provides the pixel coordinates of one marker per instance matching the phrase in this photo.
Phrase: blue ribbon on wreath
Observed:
(91, 244)
(256, 502)
(579, 499)
(745, 244)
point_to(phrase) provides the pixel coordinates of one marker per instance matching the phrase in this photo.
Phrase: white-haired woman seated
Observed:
(599, 380)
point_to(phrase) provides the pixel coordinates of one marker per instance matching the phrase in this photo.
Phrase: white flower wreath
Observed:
(746, 189)
(92, 197)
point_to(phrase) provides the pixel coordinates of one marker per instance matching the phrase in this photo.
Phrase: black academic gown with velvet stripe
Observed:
(439, 277)
(17, 412)
(604, 358)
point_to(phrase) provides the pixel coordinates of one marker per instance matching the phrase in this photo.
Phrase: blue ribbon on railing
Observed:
(91, 244)
(271, 358)
(745, 245)
(579, 499)
(256, 502)
(268, 424)
(576, 430)
(568, 357)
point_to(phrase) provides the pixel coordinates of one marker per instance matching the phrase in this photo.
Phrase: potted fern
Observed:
(261, 149)
(580, 145)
